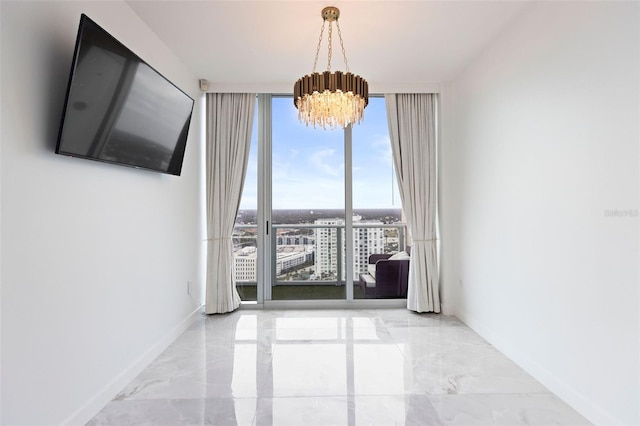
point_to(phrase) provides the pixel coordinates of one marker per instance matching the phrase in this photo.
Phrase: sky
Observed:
(308, 164)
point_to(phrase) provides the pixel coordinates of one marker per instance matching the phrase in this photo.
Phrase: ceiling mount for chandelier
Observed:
(331, 99)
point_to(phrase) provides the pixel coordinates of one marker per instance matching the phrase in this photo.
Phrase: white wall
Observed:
(95, 257)
(540, 143)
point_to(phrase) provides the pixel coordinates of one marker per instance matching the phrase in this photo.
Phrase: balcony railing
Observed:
(311, 254)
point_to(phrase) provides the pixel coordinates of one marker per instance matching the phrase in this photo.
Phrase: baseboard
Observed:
(588, 408)
(106, 394)
(335, 304)
(446, 309)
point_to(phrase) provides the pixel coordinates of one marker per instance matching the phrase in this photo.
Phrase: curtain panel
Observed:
(228, 140)
(412, 129)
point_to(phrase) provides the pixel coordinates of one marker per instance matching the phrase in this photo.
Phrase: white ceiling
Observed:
(267, 45)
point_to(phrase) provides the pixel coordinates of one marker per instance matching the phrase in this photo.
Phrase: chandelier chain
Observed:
(330, 46)
(344, 53)
(330, 99)
(315, 63)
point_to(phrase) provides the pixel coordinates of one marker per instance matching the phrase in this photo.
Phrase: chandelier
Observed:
(333, 99)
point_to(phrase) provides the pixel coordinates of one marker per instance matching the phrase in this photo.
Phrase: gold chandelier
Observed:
(332, 98)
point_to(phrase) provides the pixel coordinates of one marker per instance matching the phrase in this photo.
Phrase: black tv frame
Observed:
(174, 166)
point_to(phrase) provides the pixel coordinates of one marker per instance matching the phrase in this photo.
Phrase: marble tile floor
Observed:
(334, 367)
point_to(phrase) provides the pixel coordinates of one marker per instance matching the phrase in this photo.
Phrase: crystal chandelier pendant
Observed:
(330, 99)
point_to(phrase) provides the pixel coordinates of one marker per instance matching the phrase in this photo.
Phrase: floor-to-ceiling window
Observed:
(329, 200)
(377, 210)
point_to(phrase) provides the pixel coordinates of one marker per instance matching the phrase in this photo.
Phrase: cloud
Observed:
(382, 145)
(381, 141)
(327, 162)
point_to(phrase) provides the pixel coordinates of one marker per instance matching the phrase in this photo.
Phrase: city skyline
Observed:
(300, 216)
(308, 163)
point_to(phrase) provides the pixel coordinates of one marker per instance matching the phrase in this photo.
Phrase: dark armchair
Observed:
(389, 278)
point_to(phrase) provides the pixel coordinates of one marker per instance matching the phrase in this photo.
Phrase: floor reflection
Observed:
(333, 367)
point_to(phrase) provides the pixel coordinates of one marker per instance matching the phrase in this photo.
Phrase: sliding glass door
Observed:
(308, 214)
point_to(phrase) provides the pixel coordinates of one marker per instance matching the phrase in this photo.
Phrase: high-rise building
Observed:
(326, 255)
(366, 241)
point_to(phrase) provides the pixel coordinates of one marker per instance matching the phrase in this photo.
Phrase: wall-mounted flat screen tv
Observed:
(119, 110)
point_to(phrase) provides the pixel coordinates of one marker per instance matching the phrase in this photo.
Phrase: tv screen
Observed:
(120, 110)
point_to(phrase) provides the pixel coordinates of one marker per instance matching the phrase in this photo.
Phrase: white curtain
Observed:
(229, 125)
(412, 121)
